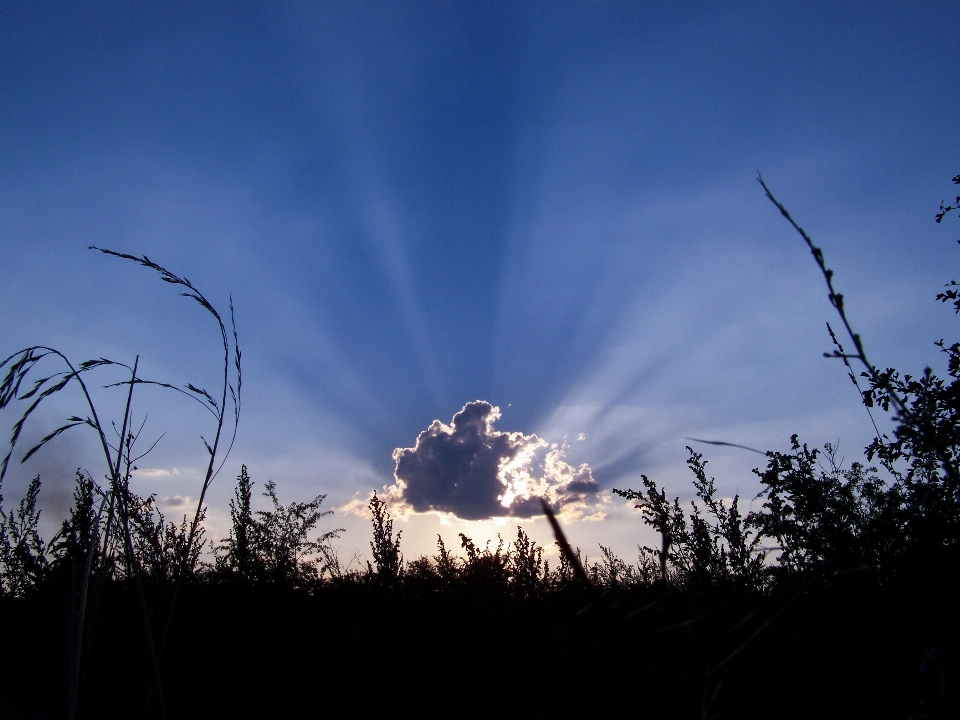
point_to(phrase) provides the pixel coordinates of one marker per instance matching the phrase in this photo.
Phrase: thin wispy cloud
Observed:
(156, 472)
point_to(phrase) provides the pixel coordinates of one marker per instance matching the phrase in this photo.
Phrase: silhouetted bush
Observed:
(275, 546)
(385, 548)
(22, 554)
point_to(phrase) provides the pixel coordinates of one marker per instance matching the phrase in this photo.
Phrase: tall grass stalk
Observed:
(202, 396)
(119, 460)
(566, 549)
(77, 630)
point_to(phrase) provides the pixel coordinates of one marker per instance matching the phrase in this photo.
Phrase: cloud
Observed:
(176, 501)
(155, 472)
(475, 472)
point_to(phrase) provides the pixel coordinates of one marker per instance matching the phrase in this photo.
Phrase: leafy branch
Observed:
(882, 383)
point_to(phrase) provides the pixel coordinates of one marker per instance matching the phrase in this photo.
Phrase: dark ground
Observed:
(853, 648)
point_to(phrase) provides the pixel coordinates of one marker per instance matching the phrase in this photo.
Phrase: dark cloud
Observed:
(176, 501)
(56, 463)
(476, 472)
(583, 482)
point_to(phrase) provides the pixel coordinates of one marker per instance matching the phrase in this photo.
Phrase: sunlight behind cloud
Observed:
(470, 470)
(413, 209)
(682, 310)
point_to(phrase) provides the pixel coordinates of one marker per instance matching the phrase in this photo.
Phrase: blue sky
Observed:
(550, 207)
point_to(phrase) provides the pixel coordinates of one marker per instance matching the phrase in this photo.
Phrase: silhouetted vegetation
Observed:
(834, 596)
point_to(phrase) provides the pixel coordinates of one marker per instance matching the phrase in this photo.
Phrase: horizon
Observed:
(551, 209)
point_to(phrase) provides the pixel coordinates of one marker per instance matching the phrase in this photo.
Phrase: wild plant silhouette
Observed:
(833, 596)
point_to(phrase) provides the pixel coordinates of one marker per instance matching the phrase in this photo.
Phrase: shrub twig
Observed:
(879, 380)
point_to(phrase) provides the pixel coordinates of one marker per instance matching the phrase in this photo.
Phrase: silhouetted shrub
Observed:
(22, 554)
(275, 546)
(526, 566)
(700, 550)
(823, 518)
(79, 534)
(160, 547)
(386, 548)
(238, 553)
(922, 456)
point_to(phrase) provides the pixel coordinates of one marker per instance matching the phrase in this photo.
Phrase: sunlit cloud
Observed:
(472, 471)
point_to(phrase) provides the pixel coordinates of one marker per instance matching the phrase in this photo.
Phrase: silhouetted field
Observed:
(837, 597)
(496, 631)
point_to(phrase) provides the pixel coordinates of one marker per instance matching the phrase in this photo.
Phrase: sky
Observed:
(479, 253)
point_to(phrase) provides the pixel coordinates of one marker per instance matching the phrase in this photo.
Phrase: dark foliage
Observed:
(22, 553)
(81, 530)
(274, 546)
(385, 548)
(239, 554)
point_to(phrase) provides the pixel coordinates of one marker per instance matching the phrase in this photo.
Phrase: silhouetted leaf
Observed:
(48, 438)
(199, 391)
